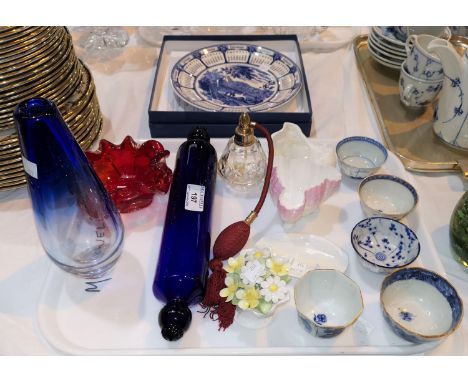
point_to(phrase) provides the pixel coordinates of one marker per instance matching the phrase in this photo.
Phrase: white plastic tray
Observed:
(122, 318)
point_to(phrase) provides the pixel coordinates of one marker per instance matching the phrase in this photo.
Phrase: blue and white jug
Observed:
(450, 116)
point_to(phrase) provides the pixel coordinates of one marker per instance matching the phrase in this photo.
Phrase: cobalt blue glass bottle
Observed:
(77, 222)
(185, 247)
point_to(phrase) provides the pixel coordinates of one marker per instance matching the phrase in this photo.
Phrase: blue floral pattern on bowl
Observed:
(384, 244)
(236, 77)
(317, 330)
(320, 318)
(327, 311)
(406, 316)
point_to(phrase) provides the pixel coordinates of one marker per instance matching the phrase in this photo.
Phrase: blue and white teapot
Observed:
(451, 113)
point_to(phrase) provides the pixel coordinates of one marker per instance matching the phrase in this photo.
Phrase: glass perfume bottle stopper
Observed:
(244, 133)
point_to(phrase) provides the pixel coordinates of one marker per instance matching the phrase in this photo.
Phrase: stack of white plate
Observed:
(387, 46)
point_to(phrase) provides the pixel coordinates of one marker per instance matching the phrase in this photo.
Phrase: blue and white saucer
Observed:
(392, 35)
(386, 45)
(235, 78)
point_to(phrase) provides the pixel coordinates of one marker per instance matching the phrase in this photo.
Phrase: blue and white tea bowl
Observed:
(384, 245)
(359, 157)
(327, 302)
(420, 305)
(387, 196)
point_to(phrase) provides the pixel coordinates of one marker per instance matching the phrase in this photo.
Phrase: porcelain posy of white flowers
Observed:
(256, 281)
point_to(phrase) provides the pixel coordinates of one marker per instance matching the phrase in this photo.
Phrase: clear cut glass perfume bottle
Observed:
(243, 162)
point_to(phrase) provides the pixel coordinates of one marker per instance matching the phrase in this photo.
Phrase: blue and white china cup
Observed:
(387, 196)
(327, 302)
(359, 157)
(384, 245)
(420, 305)
(416, 92)
(419, 62)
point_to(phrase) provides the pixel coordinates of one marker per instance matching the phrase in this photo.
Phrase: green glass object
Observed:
(459, 230)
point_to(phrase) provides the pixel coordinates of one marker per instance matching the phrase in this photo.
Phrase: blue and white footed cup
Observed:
(416, 92)
(327, 302)
(420, 63)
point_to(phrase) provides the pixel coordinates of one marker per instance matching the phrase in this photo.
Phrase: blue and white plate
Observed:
(392, 35)
(235, 78)
(383, 49)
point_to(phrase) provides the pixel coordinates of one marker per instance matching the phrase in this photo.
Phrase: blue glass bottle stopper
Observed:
(185, 247)
(77, 222)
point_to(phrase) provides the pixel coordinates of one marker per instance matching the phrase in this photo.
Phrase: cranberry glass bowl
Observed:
(132, 173)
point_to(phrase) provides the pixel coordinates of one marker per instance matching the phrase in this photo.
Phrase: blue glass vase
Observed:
(77, 222)
(185, 247)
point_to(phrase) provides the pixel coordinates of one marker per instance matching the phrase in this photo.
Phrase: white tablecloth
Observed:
(340, 108)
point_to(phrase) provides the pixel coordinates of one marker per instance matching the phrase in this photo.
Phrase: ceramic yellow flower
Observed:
(230, 291)
(248, 298)
(277, 267)
(258, 255)
(234, 264)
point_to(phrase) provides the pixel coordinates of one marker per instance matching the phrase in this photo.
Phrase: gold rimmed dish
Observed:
(81, 125)
(30, 55)
(34, 56)
(13, 185)
(76, 121)
(12, 174)
(8, 164)
(9, 153)
(87, 142)
(30, 45)
(14, 177)
(90, 115)
(59, 94)
(82, 94)
(47, 70)
(17, 33)
(41, 62)
(45, 88)
(8, 142)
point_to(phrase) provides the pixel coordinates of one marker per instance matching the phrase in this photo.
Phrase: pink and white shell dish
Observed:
(304, 173)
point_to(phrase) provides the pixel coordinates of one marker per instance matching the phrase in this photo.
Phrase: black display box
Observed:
(170, 117)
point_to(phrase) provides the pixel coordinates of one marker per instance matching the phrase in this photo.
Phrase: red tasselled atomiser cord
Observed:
(229, 242)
